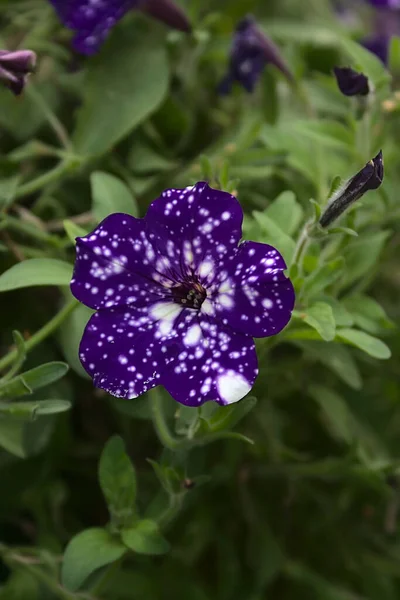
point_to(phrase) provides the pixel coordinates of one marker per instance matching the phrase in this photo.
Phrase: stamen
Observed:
(190, 293)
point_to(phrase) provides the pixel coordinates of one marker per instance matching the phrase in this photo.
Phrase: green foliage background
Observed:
(291, 494)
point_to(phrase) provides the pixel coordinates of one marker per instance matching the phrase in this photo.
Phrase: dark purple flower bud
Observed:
(350, 82)
(393, 4)
(92, 21)
(369, 178)
(251, 51)
(15, 68)
(167, 12)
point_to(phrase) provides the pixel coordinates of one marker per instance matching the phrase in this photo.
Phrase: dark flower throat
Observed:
(190, 294)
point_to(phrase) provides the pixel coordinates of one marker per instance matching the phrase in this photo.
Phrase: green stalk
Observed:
(42, 334)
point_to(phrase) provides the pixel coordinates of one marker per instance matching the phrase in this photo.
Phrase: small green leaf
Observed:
(145, 538)
(32, 410)
(362, 255)
(34, 379)
(320, 317)
(70, 335)
(86, 552)
(73, 230)
(286, 212)
(36, 271)
(275, 235)
(335, 185)
(226, 417)
(118, 482)
(342, 316)
(323, 277)
(25, 438)
(335, 412)
(111, 195)
(317, 210)
(365, 342)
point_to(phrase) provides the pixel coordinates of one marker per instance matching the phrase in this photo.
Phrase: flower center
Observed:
(190, 294)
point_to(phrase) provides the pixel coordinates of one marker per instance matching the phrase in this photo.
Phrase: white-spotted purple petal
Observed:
(252, 294)
(125, 350)
(195, 228)
(179, 299)
(116, 265)
(215, 363)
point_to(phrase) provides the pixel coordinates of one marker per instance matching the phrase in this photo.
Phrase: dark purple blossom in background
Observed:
(392, 4)
(15, 67)
(386, 24)
(350, 82)
(251, 51)
(179, 299)
(92, 20)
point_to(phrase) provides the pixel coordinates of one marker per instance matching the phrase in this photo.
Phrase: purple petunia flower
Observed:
(179, 299)
(92, 20)
(250, 53)
(15, 67)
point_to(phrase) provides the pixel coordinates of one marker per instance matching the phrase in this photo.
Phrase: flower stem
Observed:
(40, 182)
(42, 334)
(301, 247)
(160, 423)
(175, 505)
(52, 119)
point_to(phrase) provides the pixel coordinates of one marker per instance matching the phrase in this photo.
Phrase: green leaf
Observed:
(337, 358)
(367, 313)
(139, 408)
(124, 85)
(73, 230)
(110, 195)
(342, 316)
(323, 277)
(70, 335)
(320, 317)
(365, 342)
(25, 439)
(32, 410)
(335, 412)
(226, 417)
(366, 62)
(362, 255)
(276, 237)
(286, 212)
(145, 538)
(87, 552)
(118, 482)
(36, 271)
(34, 379)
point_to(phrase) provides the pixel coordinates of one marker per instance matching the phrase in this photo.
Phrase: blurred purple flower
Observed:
(92, 20)
(392, 4)
(251, 51)
(386, 24)
(350, 82)
(15, 67)
(179, 299)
